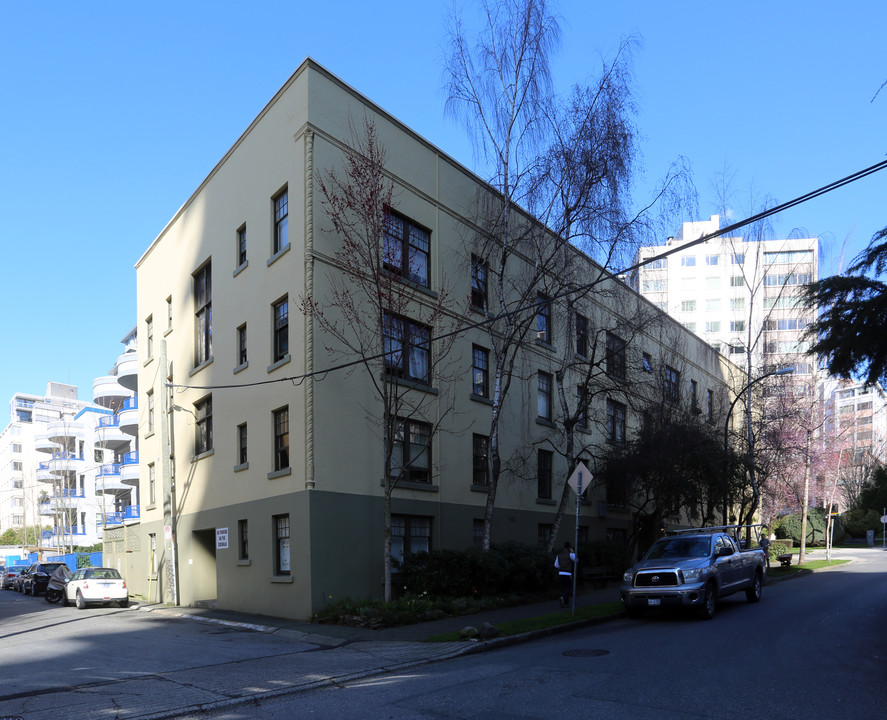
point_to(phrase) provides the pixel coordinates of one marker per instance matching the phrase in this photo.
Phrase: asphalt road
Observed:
(813, 649)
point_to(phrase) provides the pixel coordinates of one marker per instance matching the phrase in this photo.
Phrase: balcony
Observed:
(129, 468)
(44, 474)
(64, 462)
(128, 371)
(64, 499)
(45, 508)
(109, 435)
(68, 530)
(61, 430)
(108, 392)
(42, 443)
(128, 417)
(118, 518)
(111, 486)
(106, 471)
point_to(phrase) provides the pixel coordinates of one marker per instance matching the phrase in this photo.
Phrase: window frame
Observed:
(408, 531)
(544, 473)
(240, 246)
(280, 222)
(281, 443)
(480, 273)
(203, 426)
(242, 444)
(544, 395)
(406, 344)
(581, 335)
(480, 451)
(243, 539)
(615, 357)
(203, 318)
(616, 421)
(403, 450)
(400, 249)
(242, 354)
(543, 318)
(671, 384)
(480, 371)
(282, 557)
(280, 329)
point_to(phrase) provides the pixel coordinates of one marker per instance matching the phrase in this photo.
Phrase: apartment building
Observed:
(49, 479)
(858, 422)
(261, 463)
(739, 296)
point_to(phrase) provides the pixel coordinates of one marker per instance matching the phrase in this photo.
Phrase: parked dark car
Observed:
(9, 576)
(34, 580)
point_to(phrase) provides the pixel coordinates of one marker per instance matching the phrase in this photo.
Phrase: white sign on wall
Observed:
(221, 538)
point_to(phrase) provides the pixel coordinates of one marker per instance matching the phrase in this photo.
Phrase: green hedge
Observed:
(504, 569)
(789, 527)
(860, 520)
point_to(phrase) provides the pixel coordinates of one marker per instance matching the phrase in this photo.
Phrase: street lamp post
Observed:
(750, 435)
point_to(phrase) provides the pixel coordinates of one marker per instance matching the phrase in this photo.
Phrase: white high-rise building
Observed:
(740, 296)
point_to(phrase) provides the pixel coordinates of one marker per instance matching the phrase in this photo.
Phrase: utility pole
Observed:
(170, 566)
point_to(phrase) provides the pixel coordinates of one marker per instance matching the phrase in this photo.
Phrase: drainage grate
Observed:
(586, 653)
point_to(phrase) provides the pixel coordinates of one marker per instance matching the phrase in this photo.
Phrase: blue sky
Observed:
(113, 113)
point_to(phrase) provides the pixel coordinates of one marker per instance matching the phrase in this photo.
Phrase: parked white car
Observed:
(90, 586)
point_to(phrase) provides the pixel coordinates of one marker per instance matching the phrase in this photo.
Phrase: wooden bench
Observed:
(596, 576)
(785, 560)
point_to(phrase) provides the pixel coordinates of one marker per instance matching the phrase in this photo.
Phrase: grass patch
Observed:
(778, 572)
(540, 622)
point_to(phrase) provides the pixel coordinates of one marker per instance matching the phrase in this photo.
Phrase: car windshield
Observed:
(679, 548)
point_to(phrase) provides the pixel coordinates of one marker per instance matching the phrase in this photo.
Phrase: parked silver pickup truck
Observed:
(693, 568)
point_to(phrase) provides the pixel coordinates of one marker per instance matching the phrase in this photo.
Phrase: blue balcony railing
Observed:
(109, 469)
(131, 458)
(67, 493)
(109, 421)
(69, 530)
(130, 403)
(132, 512)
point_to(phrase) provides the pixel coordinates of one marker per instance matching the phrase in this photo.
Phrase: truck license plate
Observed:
(654, 601)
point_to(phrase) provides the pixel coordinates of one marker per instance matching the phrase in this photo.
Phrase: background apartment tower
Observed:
(740, 296)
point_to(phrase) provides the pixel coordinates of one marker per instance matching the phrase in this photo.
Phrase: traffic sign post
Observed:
(576, 483)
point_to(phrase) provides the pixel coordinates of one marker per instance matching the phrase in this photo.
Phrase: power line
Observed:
(299, 379)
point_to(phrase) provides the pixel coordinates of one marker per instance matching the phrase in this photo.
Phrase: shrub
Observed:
(858, 521)
(789, 527)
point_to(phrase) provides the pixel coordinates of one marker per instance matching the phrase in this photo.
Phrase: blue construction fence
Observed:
(72, 560)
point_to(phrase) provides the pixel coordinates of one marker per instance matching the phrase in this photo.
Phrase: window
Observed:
(544, 460)
(737, 281)
(281, 438)
(242, 457)
(407, 349)
(737, 303)
(688, 261)
(281, 338)
(658, 264)
(16, 447)
(543, 396)
(241, 246)
(710, 405)
(691, 326)
(480, 369)
(581, 407)
(711, 260)
(281, 544)
(737, 349)
(694, 398)
(780, 279)
(672, 382)
(479, 272)
(281, 224)
(169, 313)
(150, 397)
(737, 258)
(203, 409)
(480, 449)
(737, 326)
(655, 285)
(615, 421)
(712, 283)
(477, 533)
(203, 314)
(406, 249)
(788, 256)
(713, 326)
(688, 306)
(152, 484)
(647, 362)
(149, 336)
(581, 335)
(241, 345)
(543, 318)
(409, 535)
(713, 305)
(615, 356)
(411, 453)
(243, 540)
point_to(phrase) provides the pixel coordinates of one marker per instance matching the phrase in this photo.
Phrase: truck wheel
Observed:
(709, 603)
(753, 594)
